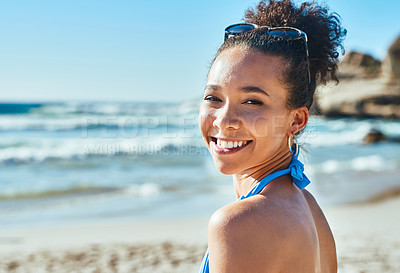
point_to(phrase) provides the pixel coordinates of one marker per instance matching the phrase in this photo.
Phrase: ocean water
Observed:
(64, 163)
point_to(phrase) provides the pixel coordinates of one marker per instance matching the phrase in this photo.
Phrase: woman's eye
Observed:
(255, 102)
(212, 98)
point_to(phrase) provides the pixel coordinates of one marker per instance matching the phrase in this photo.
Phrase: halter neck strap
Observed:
(295, 169)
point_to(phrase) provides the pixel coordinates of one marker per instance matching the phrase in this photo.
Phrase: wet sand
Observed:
(367, 237)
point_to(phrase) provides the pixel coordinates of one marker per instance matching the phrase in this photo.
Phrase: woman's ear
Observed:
(299, 119)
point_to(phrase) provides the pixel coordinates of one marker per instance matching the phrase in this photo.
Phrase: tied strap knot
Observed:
(297, 173)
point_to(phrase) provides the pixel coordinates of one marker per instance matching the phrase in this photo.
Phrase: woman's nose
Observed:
(226, 118)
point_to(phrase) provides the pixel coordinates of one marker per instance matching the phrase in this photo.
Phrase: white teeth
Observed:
(230, 144)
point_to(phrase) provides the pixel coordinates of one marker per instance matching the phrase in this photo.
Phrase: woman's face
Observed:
(243, 118)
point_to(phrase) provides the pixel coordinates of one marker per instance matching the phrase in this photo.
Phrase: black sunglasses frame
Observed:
(270, 31)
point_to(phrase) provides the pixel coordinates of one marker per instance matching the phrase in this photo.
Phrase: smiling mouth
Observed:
(224, 147)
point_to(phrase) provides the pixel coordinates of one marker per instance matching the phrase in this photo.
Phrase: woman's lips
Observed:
(228, 146)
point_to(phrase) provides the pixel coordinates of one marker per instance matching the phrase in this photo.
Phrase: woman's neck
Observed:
(244, 181)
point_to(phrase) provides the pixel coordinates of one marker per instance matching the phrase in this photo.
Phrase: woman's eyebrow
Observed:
(246, 89)
(253, 89)
(213, 87)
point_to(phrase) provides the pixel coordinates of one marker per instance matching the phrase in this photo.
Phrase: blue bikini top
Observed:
(295, 169)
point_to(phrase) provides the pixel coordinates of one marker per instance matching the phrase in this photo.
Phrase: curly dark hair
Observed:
(325, 37)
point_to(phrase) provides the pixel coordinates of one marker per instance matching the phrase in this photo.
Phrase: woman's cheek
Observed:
(260, 126)
(205, 121)
(268, 125)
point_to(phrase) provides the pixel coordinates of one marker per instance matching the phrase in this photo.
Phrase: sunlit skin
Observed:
(245, 101)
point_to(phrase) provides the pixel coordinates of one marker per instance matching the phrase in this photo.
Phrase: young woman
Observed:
(259, 90)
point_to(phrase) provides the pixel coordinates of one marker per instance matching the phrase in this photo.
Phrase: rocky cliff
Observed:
(367, 88)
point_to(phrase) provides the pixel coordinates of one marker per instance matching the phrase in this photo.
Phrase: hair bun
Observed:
(324, 31)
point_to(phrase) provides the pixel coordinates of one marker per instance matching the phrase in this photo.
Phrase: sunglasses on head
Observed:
(286, 33)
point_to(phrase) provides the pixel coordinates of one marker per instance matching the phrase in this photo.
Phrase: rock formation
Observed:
(367, 88)
(391, 64)
(366, 65)
(374, 136)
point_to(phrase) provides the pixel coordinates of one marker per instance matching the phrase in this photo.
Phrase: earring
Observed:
(294, 144)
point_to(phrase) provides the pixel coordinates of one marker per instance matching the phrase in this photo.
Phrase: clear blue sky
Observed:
(158, 50)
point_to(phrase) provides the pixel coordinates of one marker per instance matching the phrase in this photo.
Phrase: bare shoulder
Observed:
(258, 212)
(259, 234)
(312, 203)
(326, 242)
(321, 223)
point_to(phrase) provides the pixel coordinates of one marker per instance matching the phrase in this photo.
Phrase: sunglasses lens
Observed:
(284, 33)
(235, 29)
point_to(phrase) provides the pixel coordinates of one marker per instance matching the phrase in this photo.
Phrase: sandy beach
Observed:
(367, 237)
